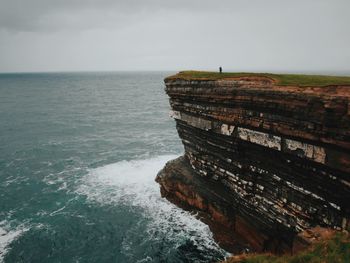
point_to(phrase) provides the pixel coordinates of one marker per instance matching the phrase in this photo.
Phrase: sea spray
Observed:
(131, 183)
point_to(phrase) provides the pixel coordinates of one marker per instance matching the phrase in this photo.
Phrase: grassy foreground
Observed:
(335, 250)
(282, 79)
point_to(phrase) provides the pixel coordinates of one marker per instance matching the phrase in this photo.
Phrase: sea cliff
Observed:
(267, 157)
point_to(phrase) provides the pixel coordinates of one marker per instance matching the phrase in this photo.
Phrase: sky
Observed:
(114, 35)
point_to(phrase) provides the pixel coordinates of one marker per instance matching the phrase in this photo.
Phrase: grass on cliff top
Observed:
(282, 79)
(335, 250)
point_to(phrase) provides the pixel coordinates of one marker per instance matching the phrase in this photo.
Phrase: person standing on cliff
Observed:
(220, 69)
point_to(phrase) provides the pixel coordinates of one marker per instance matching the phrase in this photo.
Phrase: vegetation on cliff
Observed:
(281, 79)
(334, 250)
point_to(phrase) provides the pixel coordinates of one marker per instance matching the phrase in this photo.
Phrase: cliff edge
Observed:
(267, 156)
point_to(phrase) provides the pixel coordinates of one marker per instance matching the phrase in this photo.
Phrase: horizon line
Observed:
(331, 72)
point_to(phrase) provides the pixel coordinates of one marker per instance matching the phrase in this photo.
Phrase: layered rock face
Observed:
(263, 163)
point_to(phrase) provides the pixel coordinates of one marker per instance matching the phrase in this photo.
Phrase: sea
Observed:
(79, 153)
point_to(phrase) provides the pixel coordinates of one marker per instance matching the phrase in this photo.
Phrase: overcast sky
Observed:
(239, 35)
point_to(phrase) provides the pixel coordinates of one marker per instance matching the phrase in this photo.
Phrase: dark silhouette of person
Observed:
(220, 69)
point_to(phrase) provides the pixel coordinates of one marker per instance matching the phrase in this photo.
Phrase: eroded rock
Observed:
(263, 163)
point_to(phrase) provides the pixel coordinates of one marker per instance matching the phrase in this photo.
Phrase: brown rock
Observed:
(263, 163)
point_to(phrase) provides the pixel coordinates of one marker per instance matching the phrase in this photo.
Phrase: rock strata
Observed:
(263, 163)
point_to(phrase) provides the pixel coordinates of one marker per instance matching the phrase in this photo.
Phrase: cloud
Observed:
(42, 15)
(51, 35)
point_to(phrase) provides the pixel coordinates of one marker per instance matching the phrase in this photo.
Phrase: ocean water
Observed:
(78, 156)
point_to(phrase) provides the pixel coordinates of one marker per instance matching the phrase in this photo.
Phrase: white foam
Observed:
(132, 183)
(7, 236)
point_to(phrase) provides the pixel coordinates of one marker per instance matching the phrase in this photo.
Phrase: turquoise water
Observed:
(78, 156)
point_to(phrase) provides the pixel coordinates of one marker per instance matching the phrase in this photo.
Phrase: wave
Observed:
(7, 236)
(131, 183)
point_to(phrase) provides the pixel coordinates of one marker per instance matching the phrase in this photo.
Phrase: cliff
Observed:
(267, 157)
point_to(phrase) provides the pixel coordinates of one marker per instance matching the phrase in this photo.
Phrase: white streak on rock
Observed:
(260, 138)
(306, 150)
(227, 129)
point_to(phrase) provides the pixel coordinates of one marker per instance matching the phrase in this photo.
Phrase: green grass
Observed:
(335, 250)
(282, 79)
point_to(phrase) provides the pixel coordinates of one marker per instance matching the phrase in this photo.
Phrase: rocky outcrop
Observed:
(263, 163)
